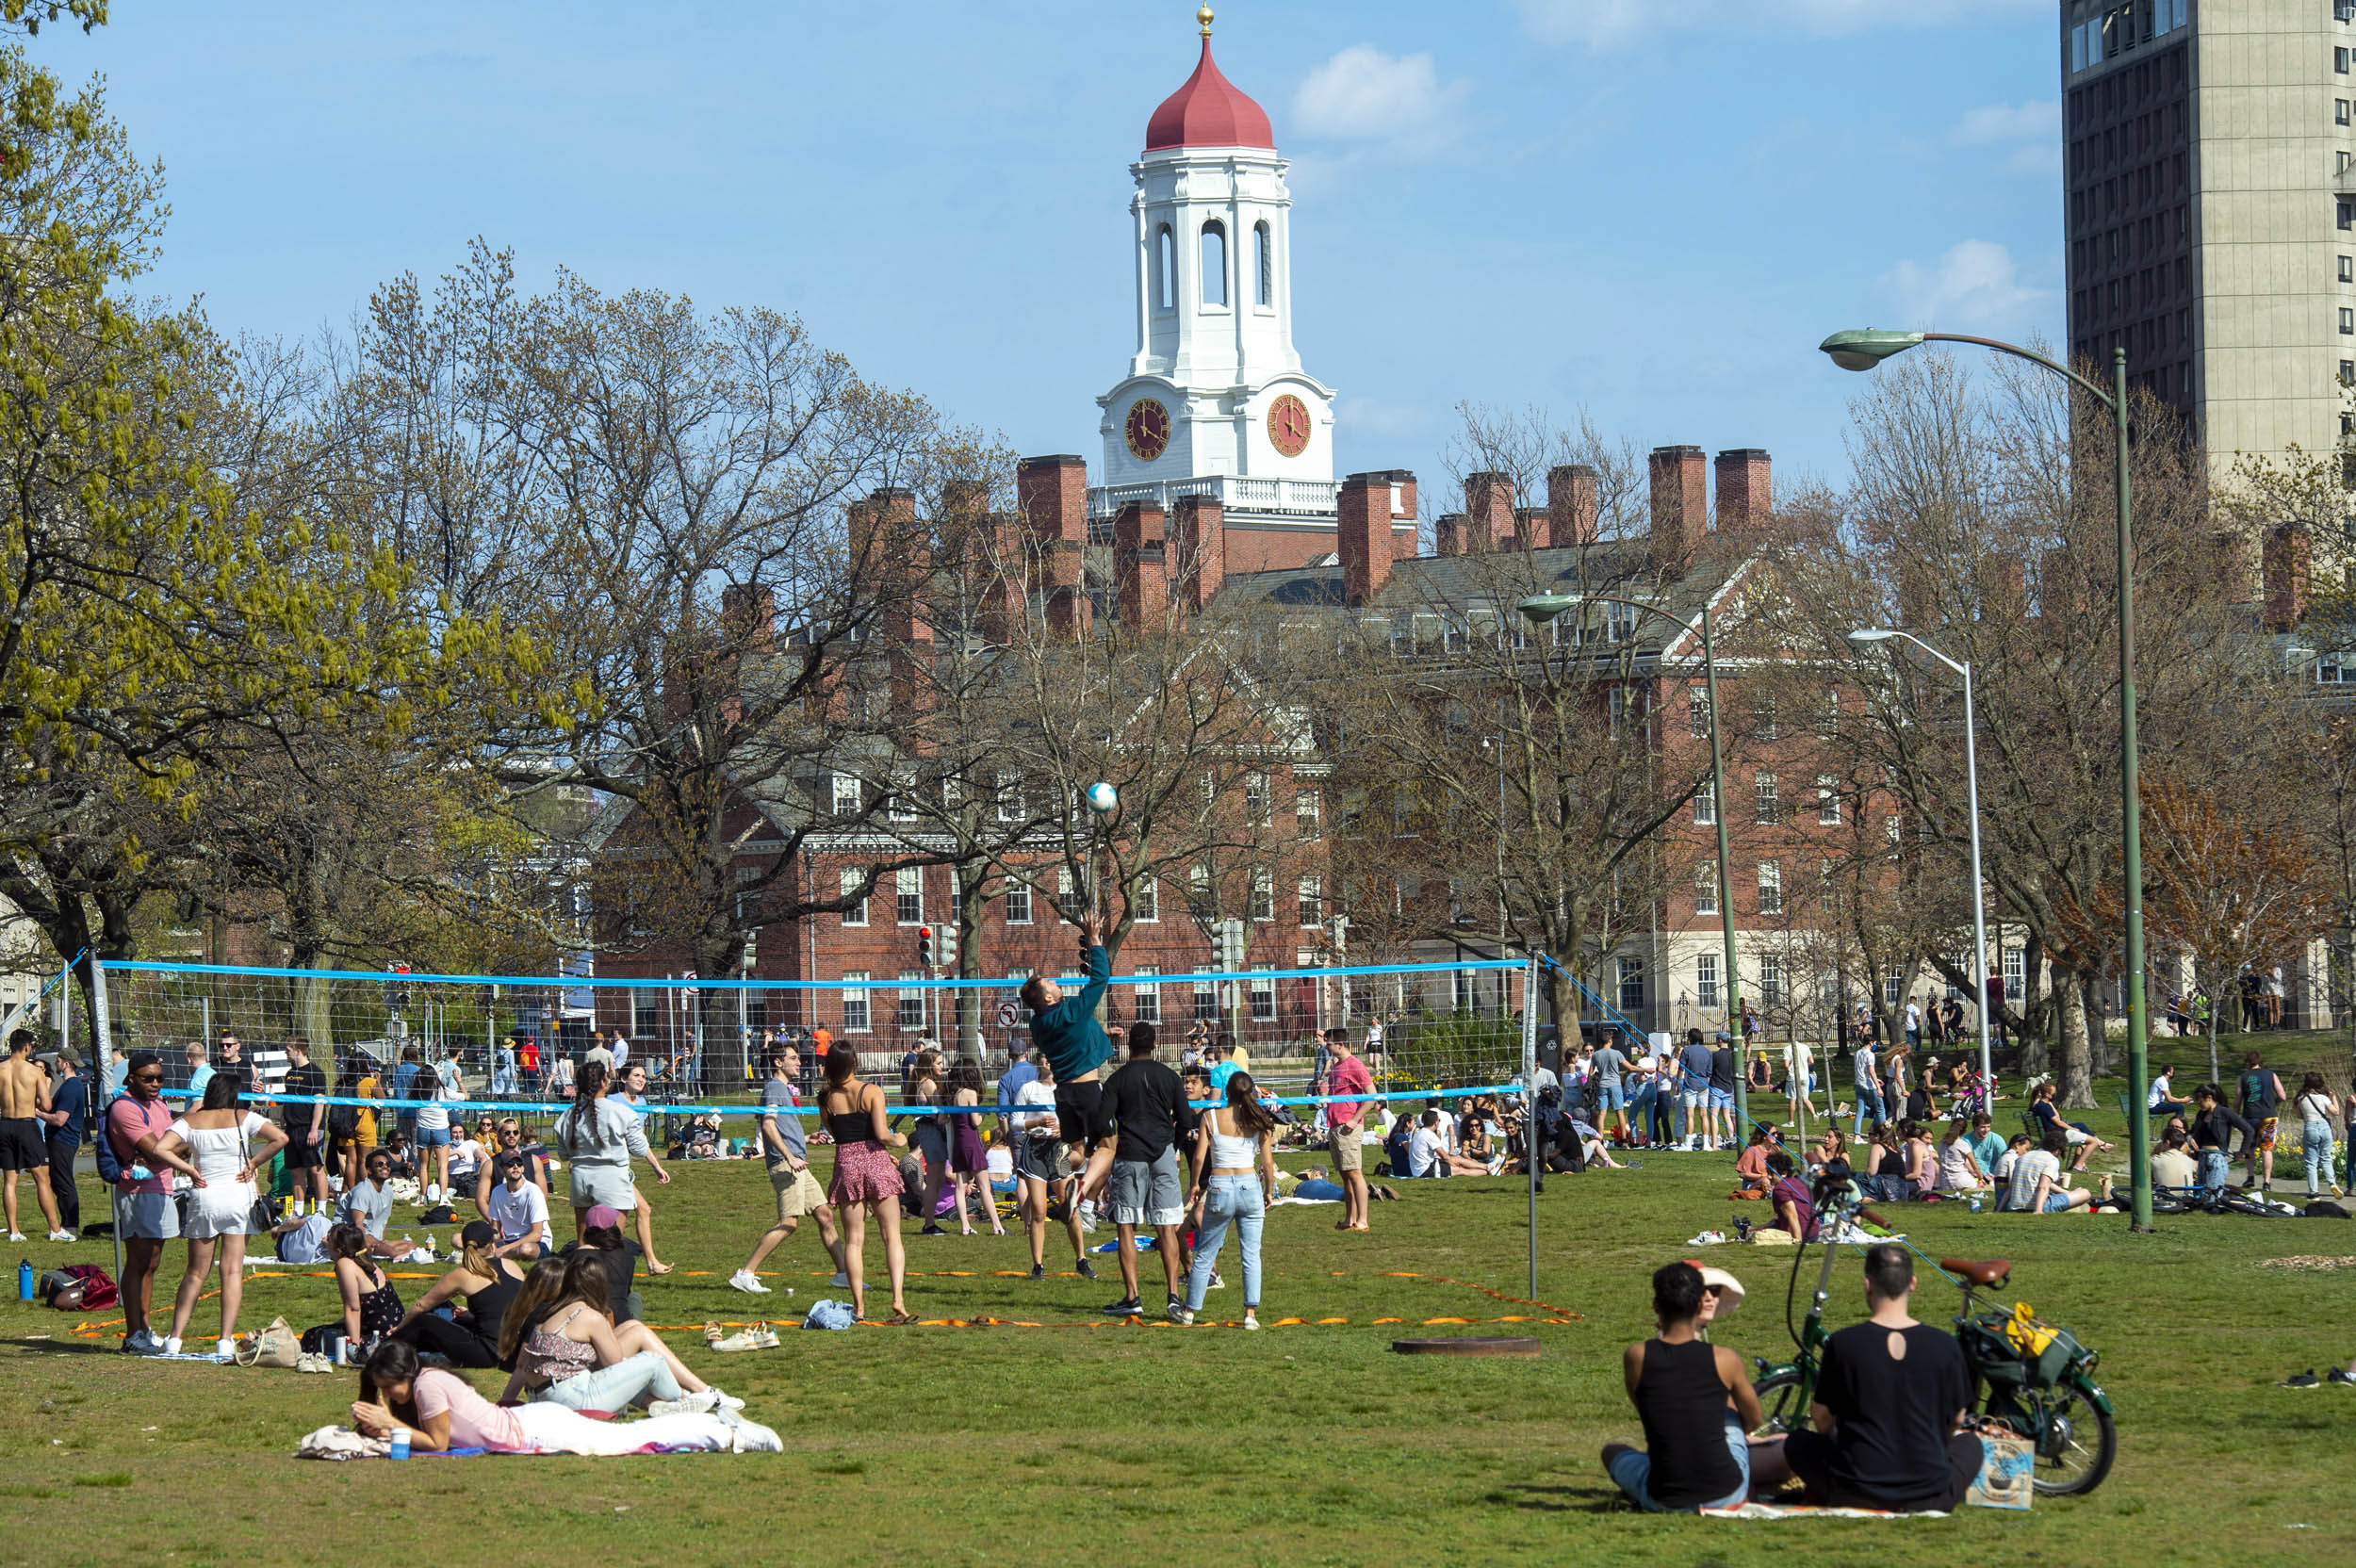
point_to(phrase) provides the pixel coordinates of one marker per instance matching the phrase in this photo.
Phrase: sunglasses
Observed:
(147, 1078)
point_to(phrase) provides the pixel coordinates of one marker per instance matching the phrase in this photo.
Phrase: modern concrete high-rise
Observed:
(2210, 209)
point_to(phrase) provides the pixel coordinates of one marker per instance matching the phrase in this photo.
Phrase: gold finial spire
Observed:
(1203, 16)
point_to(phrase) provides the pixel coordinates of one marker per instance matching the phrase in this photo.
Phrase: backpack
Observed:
(110, 1168)
(79, 1287)
(343, 1121)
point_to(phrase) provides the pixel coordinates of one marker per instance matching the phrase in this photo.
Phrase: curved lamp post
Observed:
(1863, 351)
(1542, 607)
(1869, 638)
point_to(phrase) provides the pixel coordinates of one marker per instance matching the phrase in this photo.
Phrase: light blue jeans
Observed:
(1869, 1108)
(1228, 1200)
(2215, 1169)
(632, 1381)
(2316, 1139)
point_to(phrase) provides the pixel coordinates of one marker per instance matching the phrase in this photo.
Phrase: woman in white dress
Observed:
(226, 1143)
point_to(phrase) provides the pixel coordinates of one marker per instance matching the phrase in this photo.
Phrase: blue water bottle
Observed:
(400, 1443)
(23, 1280)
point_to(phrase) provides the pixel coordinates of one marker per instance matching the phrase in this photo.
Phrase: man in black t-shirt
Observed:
(302, 1112)
(1892, 1403)
(1148, 1109)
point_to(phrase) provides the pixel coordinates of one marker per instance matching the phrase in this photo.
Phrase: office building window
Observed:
(1146, 999)
(1771, 887)
(1770, 980)
(2339, 111)
(2348, 372)
(2339, 61)
(1706, 889)
(1015, 906)
(912, 1003)
(857, 913)
(2348, 215)
(2348, 268)
(1706, 980)
(2347, 321)
(1705, 804)
(1770, 803)
(855, 1010)
(907, 902)
(1145, 902)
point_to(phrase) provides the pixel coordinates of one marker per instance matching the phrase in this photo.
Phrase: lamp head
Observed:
(1862, 350)
(1867, 637)
(1541, 607)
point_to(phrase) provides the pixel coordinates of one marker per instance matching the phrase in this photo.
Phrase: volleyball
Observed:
(1102, 798)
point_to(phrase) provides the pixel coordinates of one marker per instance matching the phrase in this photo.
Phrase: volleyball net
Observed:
(506, 1042)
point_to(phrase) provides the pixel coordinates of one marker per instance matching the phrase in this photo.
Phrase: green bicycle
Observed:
(2049, 1397)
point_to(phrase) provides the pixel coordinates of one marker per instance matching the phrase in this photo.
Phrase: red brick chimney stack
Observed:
(1488, 513)
(1140, 567)
(1365, 545)
(2288, 555)
(1053, 493)
(1745, 490)
(1572, 506)
(749, 615)
(1449, 534)
(1680, 508)
(1195, 555)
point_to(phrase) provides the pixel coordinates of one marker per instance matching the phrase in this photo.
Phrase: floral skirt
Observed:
(864, 1172)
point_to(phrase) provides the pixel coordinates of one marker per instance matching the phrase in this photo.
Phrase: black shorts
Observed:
(1080, 1111)
(21, 1145)
(1038, 1159)
(302, 1155)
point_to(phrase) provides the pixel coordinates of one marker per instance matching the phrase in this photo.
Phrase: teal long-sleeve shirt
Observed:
(1068, 1031)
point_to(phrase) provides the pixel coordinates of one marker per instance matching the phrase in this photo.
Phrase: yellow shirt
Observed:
(365, 1134)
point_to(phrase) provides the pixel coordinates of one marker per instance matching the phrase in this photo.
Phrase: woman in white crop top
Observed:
(1235, 1165)
(226, 1143)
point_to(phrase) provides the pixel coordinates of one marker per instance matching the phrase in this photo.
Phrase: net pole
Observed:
(1529, 1106)
(100, 1048)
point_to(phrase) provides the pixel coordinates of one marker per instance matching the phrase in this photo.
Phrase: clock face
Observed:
(1147, 429)
(1288, 425)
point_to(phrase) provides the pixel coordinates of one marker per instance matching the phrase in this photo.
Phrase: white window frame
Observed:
(857, 913)
(1705, 804)
(1145, 1001)
(848, 788)
(1705, 991)
(1263, 894)
(1697, 701)
(1145, 903)
(1009, 795)
(1767, 789)
(858, 1003)
(1312, 911)
(907, 895)
(1771, 887)
(1259, 804)
(1015, 904)
(1308, 815)
(1827, 800)
(1263, 999)
(1705, 888)
(1771, 979)
(911, 1009)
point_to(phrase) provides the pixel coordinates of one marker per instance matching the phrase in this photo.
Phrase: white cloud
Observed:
(1616, 23)
(1975, 285)
(1363, 94)
(1997, 124)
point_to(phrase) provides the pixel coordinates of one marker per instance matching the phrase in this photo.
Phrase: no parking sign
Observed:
(1010, 1015)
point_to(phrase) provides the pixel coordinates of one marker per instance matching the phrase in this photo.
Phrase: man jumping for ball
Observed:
(1066, 1031)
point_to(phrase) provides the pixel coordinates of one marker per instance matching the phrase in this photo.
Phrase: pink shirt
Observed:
(128, 1121)
(474, 1421)
(1349, 1076)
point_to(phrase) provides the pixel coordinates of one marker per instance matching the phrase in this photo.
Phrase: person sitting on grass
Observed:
(2038, 1187)
(2077, 1135)
(1428, 1153)
(2172, 1165)
(1958, 1167)
(371, 1305)
(565, 1350)
(488, 1282)
(1888, 1428)
(1695, 1402)
(1795, 1209)
(1751, 1166)
(370, 1206)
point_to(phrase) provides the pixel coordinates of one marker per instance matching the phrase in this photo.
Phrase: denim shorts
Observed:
(1721, 1100)
(1632, 1470)
(1611, 1097)
(433, 1137)
(2056, 1202)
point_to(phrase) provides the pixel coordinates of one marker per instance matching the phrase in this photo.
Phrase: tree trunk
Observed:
(2074, 1084)
(971, 880)
(1562, 1001)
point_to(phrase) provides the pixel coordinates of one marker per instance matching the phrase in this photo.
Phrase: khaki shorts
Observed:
(798, 1192)
(1349, 1148)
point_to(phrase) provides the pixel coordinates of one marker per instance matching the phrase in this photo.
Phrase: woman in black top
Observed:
(2213, 1127)
(1696, 1403)
(488, 1281)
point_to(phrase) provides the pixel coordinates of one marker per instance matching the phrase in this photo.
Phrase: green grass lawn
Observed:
(1304, 1443)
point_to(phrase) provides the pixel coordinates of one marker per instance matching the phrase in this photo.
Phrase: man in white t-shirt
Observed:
(2037, 1182)
(1799, 1077)
(520, 1210)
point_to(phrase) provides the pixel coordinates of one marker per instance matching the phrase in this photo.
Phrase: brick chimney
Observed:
(1406, 545)
(1573, 504)
(1449, 534)
(1195, 555)
(1680, 508)
(2230, 553)
(1001, 576)
(2005, 586)
(2287, 558)
(1140, 567)
(1745, 490)
(1052, 496)
(1488, 513)
(1364, 536)
(749, 615)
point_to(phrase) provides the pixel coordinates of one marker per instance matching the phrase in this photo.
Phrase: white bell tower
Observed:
(1215, 395)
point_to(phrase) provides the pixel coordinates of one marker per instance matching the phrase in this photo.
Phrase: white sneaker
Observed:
(744, 1280)
(841, 1281)
(690, 1404)
(224, 1349)
(63, 1235)
(18, 1236)
(724, 1401)
(1250, 1322)
(171, 1347)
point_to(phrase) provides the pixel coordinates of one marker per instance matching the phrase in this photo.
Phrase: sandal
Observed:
(758, 1337)
(900, 1320)
(712, 1333)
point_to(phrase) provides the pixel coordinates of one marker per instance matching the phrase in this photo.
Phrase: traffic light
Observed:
(948, 939)
(924, 946)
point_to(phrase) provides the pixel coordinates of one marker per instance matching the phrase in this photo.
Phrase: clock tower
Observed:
(1214, 403)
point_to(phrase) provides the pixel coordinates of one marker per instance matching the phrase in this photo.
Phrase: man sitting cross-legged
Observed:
(1892, 1403)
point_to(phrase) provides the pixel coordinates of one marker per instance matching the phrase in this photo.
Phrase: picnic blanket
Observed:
(1801, 1510)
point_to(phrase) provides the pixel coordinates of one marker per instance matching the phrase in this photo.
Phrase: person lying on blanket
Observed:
(442, 1411)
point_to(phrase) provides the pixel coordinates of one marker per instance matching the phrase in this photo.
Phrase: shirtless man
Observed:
(23, 1101)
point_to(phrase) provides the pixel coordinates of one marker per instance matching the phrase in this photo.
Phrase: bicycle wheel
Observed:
(1780, 1400)
(2076, 1440)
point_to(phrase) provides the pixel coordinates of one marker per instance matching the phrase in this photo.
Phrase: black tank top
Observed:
(855, 1125)
(1683, 1406)
(489, 1306)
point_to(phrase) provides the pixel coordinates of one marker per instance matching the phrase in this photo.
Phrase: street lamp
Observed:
(1542, 607)
(1869, 638)
(1863, 351)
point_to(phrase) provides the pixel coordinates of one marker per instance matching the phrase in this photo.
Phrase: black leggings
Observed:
(454, 1342)
(1810, 1455)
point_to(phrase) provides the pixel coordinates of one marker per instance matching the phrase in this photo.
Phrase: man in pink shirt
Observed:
(1346, 1118)
(144, 1215)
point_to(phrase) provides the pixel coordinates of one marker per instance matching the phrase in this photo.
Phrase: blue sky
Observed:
(1653, 208)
